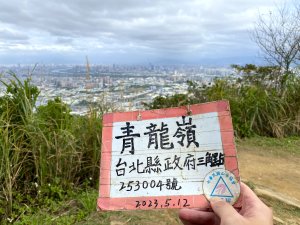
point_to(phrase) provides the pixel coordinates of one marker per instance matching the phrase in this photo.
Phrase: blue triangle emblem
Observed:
(221, 189)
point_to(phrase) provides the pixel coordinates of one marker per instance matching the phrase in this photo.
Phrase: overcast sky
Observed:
(130, 31)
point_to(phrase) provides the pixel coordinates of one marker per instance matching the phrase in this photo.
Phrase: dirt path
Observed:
(274, 169)
(267, 168)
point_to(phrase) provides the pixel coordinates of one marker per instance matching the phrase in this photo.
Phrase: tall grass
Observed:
(44, 150)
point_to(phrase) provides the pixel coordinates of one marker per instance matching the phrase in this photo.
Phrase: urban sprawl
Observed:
(123, 87)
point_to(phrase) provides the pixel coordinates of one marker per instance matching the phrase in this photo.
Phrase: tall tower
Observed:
(88, 84)
(88, 69)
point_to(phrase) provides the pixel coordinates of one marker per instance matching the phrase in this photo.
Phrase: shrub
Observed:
(263, 101)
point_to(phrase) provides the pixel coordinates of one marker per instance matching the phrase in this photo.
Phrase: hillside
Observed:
(280, 175)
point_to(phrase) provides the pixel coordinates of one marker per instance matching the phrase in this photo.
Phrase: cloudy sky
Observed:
(130, 31)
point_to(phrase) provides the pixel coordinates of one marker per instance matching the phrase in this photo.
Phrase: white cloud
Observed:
(160, 28)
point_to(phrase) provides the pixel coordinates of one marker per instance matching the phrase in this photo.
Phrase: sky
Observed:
(200, 32)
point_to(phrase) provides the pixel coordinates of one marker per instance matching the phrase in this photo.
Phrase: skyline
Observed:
(130, 31)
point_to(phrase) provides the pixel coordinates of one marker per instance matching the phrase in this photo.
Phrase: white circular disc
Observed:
(221, 184)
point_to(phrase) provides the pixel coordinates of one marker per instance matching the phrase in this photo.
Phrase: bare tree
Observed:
(278, 36)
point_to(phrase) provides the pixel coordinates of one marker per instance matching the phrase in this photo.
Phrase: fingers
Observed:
(193, 217)
(223, 210)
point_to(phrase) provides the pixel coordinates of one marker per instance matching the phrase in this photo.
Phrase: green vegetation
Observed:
(284, 146)
(263, 100)
(80, 209)
(72, 208)
(45, 151)
(49, 166)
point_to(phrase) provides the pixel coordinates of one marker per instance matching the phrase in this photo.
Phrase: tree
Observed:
(55, 115)
(278, 36)
(175, 100)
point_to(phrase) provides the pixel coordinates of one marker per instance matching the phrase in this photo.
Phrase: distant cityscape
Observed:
(123, 87)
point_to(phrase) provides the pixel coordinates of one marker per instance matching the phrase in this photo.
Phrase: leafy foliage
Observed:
(168, 101)
(55, 114)
(263, 101)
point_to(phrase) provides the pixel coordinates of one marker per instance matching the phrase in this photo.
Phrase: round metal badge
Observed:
(221, 184)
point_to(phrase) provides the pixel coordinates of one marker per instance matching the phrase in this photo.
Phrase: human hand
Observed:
(253, 212)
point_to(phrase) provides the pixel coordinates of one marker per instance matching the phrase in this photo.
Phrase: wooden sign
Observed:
(160, 158)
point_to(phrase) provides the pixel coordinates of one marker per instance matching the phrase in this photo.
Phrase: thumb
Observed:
(223, 210)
